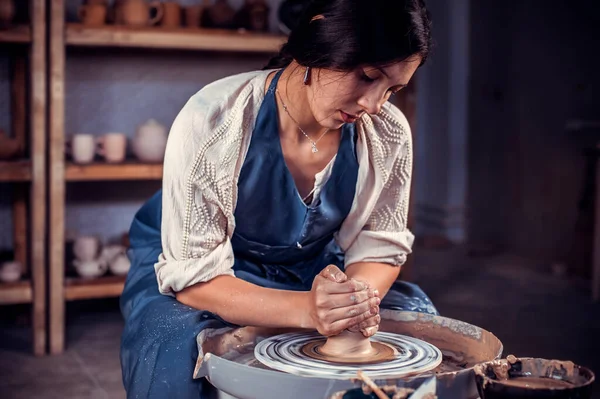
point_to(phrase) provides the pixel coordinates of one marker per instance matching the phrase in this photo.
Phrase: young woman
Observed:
(284, 199)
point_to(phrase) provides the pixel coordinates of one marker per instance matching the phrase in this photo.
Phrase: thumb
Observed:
(333, 273)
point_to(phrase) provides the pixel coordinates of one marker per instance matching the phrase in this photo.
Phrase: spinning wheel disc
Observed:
(288, 353)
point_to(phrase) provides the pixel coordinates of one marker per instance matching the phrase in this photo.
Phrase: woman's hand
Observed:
(338, 303)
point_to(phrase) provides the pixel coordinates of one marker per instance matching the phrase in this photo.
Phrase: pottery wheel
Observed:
(396, 356)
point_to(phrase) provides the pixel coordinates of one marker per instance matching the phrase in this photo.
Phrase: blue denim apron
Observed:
(279, 242)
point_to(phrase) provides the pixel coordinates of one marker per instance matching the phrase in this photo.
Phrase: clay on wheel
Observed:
(348, 344)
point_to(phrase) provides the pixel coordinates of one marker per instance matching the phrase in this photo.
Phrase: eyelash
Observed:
(367, 79)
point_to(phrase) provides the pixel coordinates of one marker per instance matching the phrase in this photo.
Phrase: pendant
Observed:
(314, 148)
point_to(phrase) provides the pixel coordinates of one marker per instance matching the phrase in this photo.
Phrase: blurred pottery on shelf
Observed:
(120, 264)
(137, 12)
(90, 268)
(10, 272)
(150, 142)
(9, 147)
(7, 13)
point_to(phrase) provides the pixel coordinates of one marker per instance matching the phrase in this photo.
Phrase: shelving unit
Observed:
(61, 172)
(26, 44)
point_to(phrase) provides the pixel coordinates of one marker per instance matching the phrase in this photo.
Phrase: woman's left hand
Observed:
(370, 326)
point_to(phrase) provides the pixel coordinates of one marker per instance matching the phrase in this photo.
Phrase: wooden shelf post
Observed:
(57, 176)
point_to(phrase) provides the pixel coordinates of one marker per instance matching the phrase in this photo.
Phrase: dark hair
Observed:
(357, 32)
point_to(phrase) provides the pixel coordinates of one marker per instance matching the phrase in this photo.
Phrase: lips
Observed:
(348, 118)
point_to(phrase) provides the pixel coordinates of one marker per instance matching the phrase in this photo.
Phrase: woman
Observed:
(284, 199)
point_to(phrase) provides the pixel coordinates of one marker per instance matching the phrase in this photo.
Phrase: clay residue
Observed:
(530, 373)
(537, 383)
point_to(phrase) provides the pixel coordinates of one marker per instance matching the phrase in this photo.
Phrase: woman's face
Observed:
(336, 97)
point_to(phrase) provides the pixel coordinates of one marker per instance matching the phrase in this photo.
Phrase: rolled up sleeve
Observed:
(196, 211)
(385, 238)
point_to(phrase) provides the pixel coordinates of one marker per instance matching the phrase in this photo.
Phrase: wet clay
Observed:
(533, 382)
(376, 353)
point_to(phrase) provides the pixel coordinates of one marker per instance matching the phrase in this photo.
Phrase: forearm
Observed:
(243, 303)
(380, 276)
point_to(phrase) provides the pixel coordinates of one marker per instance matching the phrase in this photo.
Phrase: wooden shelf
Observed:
(18, 292)
(104, 171)
(101, 287)
(15, 171)
(173, 38)
(16, 34)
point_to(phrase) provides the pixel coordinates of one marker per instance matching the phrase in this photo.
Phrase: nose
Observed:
(371, 103)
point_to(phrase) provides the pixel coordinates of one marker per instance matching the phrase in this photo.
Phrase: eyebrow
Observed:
(387, 76)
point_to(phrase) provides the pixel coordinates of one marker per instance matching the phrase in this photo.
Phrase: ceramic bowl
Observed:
(515, 378)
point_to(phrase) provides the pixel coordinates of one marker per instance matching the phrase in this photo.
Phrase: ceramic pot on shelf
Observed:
(10, 272)
(150, 142)
(7, 13)
(90, 268)
(120, 264)
(138, 12)
(9, 147)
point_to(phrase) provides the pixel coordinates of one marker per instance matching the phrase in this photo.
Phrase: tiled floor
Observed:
(533, 312)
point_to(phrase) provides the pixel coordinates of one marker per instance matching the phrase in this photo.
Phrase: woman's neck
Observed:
(295, 95)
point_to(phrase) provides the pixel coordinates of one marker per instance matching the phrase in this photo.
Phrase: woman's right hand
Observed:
(338, 303)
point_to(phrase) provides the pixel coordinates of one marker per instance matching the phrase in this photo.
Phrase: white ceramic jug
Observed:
(150, 142)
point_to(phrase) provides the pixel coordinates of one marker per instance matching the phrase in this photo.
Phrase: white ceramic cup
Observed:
(86, 248)
(112, 147)
(83, 148)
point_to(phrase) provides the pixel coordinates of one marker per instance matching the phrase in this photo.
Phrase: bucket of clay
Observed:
(515, 378)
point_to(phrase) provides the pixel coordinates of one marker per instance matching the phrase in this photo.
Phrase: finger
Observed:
(343, 300)
(333, 273)
(371, 321)
(370, 331)
(349, 312)
(348, 286)
(340, 325)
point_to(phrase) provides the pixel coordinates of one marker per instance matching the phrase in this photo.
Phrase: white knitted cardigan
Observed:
(206, 148)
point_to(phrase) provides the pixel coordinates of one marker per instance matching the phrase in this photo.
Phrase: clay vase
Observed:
(220, 15)
(9, 147)
(137, 12)
(92, 14)
(7, 13)
(150, 142)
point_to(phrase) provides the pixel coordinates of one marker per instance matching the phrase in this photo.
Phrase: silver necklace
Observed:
(312, 142)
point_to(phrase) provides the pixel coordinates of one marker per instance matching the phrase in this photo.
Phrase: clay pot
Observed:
(171, 15)
(193, 14)
(92, 14)
(9, 147)
(86, 248)
(253, 16)
(219, 15)
(10, 272)
(138, 12)
(150, 142)
(7, 13)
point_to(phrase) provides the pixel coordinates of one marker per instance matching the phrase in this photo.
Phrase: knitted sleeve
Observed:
(198, 197)
(385, 237)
